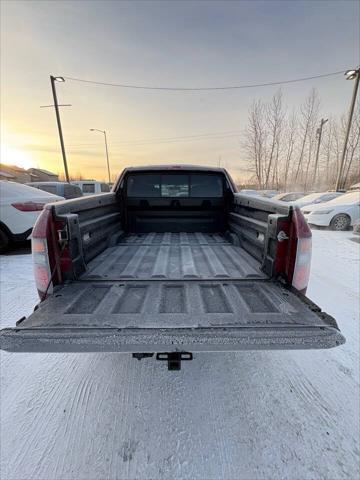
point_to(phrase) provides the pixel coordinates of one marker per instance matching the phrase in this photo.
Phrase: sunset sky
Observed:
(186, 44)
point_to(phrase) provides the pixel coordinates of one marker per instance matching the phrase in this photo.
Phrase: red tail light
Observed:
(293, 255)
(301, 273)
(300, 251)
(42, 269)
(28, 206)
(40, 252)
(46, 253)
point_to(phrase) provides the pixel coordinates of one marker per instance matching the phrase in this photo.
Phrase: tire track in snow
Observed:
(218, 437)
(45, 415)
(310, 395)
(72, 433)
(39, 423)
(114, 455)
(208, 443)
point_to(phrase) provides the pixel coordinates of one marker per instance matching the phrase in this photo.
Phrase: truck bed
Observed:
(174, 256)
(158, 292)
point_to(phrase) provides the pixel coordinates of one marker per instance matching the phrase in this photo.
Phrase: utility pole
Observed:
(106, 149)
(350, 75)
(56, 105)
(319, 133)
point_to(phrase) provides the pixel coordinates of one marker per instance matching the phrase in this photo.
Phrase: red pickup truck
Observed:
(172, 261)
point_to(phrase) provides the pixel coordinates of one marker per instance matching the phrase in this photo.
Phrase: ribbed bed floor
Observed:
(172, 292)
(174, 256)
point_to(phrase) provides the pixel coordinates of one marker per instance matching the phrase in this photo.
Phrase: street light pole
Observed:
(319, 132)
(56, 105)
(106, 150)
(107, 156)
(350, 75)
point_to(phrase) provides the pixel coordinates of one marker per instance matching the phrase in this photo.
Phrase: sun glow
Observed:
(14, 156)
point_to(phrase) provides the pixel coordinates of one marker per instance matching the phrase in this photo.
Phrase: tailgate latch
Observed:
(281, 236)
(174, 358)
(63, 236)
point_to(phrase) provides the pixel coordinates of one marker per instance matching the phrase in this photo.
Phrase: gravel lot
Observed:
(251, 415)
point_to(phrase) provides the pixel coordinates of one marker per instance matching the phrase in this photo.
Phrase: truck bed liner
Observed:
(164, 315)
(174, 256)
(162, 292)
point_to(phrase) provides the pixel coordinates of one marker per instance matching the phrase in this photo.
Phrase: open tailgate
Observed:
(161, 316)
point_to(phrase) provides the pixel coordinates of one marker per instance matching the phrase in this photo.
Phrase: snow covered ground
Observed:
(251, 415)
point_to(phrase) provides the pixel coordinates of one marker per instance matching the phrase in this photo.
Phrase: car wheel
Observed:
(4, 241)
(340, 222)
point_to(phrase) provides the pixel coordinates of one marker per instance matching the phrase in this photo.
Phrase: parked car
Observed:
(288, 196)
(20, 206)
(268, 193)
(63, 189)
(249, 191)
(318, 197)
(356, 186)
(356, 227)
(202, 268)
(338, 214)
(260, 193)
(92, 187)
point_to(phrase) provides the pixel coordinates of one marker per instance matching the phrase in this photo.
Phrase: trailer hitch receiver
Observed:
(174, 358)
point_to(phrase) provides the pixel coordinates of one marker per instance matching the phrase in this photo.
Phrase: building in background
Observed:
(40, 175)
(15, 174)
(4, 175)
(12, 173)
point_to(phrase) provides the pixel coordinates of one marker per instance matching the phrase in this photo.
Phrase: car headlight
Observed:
(322, 212)
(306, 212)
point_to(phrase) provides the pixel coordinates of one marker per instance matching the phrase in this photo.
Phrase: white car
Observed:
(319, 197)
(288, 196)
(338, 214)
(356, 227)
(20, 206)
(356, 186)
(91, 187)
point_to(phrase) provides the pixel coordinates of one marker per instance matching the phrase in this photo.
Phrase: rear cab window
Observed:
(175, 185)
(206, 186)
(71, 191)
(88, 188)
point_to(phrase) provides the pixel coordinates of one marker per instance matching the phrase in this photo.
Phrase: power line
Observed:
(231, 87)
(150, 141)
(185, 140)
(213, 134)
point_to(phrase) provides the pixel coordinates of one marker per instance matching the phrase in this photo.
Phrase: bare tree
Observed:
(274, 121)
(263, 139)
(74, 177)
(311, 149)
(308, 113)
(290, 139)
(327, 151)
(281, 148)
(255, 140)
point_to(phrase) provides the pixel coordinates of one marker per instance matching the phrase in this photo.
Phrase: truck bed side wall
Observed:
(93, 223)
(256, 223)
